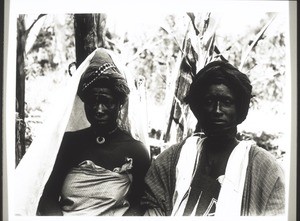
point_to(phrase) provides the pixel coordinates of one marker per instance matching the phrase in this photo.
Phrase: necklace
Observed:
(101, 140)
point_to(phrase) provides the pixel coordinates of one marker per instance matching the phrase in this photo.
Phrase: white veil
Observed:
(68, 114)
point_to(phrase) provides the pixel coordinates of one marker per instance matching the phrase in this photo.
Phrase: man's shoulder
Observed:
(172, 149)
(259, 154)
(263, 160)
(170, 154)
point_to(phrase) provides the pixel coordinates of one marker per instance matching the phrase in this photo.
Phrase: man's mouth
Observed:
(218, 121)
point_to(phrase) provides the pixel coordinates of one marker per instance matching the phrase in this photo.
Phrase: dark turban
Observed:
(102, 72)
(218, 72)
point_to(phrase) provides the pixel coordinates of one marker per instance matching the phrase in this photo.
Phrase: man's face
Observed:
(217, 109)
(101, 108)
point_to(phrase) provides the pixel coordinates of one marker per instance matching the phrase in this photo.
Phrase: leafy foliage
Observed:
(166, 56)
(267, 141)
(49, 45)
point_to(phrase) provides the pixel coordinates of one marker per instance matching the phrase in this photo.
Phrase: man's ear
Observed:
(120, 106)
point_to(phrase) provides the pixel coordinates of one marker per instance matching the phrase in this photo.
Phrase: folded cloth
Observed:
(92, 190)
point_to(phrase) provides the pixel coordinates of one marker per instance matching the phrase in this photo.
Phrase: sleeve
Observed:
(264, 192)
(273, 186)
(160, 184)
(276, 202)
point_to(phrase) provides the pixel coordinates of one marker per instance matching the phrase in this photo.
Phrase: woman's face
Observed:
(102, 108)
(217, 108)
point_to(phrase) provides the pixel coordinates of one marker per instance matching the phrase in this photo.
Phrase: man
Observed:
(218, 174)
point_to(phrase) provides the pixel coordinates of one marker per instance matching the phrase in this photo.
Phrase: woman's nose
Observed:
(100, 108)
(217, 108)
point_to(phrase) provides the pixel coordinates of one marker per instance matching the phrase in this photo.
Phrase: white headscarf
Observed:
(68, 114)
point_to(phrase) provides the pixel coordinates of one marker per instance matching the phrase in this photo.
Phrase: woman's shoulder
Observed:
(75, 138)
(126, 136)
(131, 144)
(77, 133)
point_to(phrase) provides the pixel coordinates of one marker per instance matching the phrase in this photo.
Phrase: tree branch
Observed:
(35, 21)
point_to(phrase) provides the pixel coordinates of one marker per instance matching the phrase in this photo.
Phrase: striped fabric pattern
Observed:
(264, 190)
(264, 194)
(160, 183)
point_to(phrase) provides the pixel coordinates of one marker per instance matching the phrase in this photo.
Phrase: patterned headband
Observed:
(98, 73)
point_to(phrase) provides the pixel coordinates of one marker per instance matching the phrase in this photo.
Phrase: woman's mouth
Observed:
(101, 118)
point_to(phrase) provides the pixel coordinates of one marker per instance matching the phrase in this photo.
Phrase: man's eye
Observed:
(108, 103)
(228, 101)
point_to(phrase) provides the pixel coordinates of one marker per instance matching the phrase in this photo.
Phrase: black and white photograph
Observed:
(150, 111)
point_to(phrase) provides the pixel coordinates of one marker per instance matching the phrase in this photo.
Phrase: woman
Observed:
(99, 170)
(218, 174)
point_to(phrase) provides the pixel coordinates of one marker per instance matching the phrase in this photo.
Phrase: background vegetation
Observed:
(164, 51)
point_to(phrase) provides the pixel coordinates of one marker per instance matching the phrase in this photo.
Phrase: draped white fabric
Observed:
(231, 192)
(185, 171)
(67, 114)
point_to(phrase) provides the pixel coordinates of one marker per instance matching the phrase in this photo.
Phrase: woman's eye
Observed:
(90, 101)
(109, 103)
(208, 101)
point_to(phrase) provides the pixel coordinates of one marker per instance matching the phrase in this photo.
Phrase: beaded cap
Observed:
(102, 67)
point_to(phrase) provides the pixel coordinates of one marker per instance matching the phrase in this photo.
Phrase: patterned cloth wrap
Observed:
(91, 189)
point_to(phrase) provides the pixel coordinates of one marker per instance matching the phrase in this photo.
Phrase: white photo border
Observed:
(15, 7)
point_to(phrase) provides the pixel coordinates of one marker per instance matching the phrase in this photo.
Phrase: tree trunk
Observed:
(89, 34)
(20, 90)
